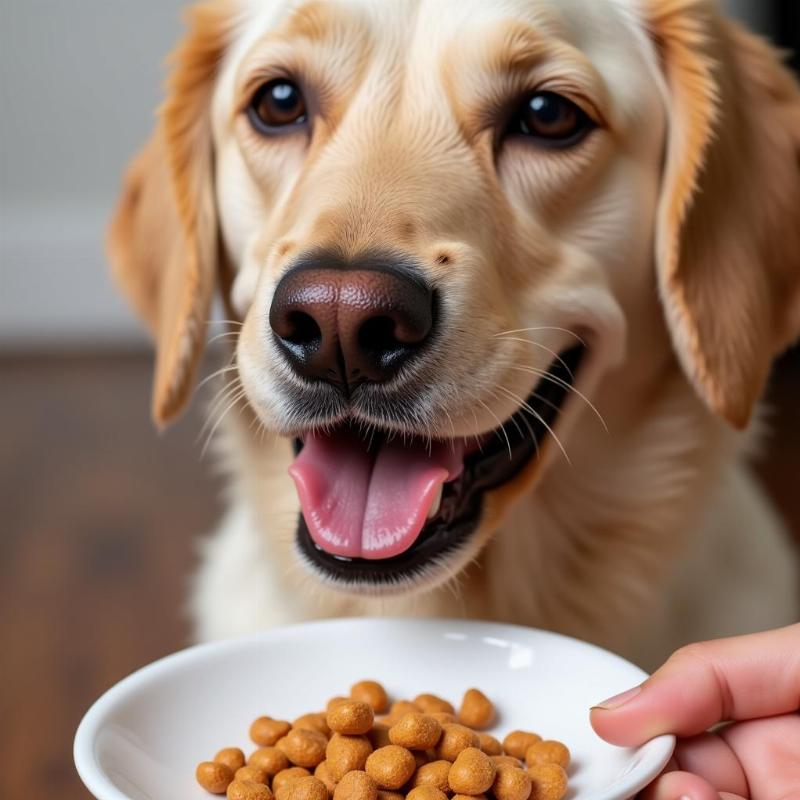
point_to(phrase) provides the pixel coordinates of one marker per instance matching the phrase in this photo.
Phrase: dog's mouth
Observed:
(380, 508)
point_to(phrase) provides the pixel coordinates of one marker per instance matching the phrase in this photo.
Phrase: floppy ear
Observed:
(728, 234)
(162, 241)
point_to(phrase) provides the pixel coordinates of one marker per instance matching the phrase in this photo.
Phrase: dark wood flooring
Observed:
(99, 519)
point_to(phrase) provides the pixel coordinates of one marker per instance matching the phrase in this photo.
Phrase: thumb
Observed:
(745, 677)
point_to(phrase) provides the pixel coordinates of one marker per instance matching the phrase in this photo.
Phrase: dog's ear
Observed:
(162, 241)
(728, 234)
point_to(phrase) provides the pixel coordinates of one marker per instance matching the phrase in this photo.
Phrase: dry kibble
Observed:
(287, 775)
(323, 772)
(379, 735)
(313, 722)
(231, 757)
(334, 701)
(517, 743)
(511, 783)
(416, 731)
(265, 731)
(213, 776)
(248, 790)
(252, 774)
(477, 710)
(385, 794)
(548, 751)
(443, 717)
(356, 785)
(304, 747)
(509, 760)
(351, 717)
(399, 709)
(548, 782)
(390, 766)
(435, 774)
(468, 797)
(306, 788)
(346, 753)
(490, 745)
(270, 759)
(426, 793)
(472, 772)
(371, 692)
(430, 703)
(454, 739)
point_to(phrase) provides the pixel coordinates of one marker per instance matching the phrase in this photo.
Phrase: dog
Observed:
(504, 283)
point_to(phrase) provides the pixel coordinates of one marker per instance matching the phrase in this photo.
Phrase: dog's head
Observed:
(441, 223)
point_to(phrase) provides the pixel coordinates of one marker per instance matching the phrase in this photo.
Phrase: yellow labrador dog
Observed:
(506, 280)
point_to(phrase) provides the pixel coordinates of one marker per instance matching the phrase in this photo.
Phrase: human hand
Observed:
(751, 682)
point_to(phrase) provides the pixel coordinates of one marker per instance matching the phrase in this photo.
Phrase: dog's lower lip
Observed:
(500, 458)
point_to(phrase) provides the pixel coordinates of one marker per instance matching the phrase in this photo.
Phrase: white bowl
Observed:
(143, 738)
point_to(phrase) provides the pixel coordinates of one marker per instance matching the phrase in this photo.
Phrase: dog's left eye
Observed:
(551, 121)
(276, 105)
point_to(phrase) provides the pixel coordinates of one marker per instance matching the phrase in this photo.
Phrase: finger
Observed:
(711, 758)
(683, 785)
(702, 684)
(769, 752)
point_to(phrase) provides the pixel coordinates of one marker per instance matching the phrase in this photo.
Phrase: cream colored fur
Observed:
(639, 526)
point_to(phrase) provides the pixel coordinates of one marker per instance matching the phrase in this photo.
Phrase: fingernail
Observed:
(619, 699)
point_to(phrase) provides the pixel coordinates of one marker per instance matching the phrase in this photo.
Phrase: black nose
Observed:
(350, 323)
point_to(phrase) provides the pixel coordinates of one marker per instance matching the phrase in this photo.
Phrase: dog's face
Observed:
(440, 223)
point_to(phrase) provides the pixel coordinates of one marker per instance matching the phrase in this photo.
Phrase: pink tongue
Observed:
(365, 505)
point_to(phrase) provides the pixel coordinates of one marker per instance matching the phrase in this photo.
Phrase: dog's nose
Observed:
(347, 325)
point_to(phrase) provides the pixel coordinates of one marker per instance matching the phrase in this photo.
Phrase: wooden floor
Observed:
(100, 516)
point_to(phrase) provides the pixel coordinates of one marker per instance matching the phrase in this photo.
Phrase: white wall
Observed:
(79, 80)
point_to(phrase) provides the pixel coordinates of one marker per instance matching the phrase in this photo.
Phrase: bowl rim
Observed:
(659, 749)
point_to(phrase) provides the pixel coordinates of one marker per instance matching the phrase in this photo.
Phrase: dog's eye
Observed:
(276, 105)
(551, 120)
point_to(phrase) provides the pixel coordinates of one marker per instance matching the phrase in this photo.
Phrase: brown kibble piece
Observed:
(371, 692)
(351, 717)
(346, 753)
(306, 788)
(430, 703)
(252, 773)
(379, 735)
(517, 743)
(547, 751)
(385, 794)
(313, 722)
(511, 783)
(433, 774)
(390, 766)
(468, 797)
(213, 776)
(271, 759)
(490, 745)
(398, 710)
(443, 717)
(548, 782)
(356, 785)
(472, 772)
(304, 747)
(287, 775)
(509, 760)
(265, 731)
(248, 790)
(323, 772)
(231, 757)
(477, 710)
(426, 793)
(334, 701)
(416, 731)
(454, 739)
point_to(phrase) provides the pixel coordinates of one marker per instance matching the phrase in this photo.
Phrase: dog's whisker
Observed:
(222, 396)
(224, 322)
(500, 427)
(225, 335)
(543, 328)
(229, 368)
(527, 407)
(555, 355)
(241, 394)
(564, 385)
